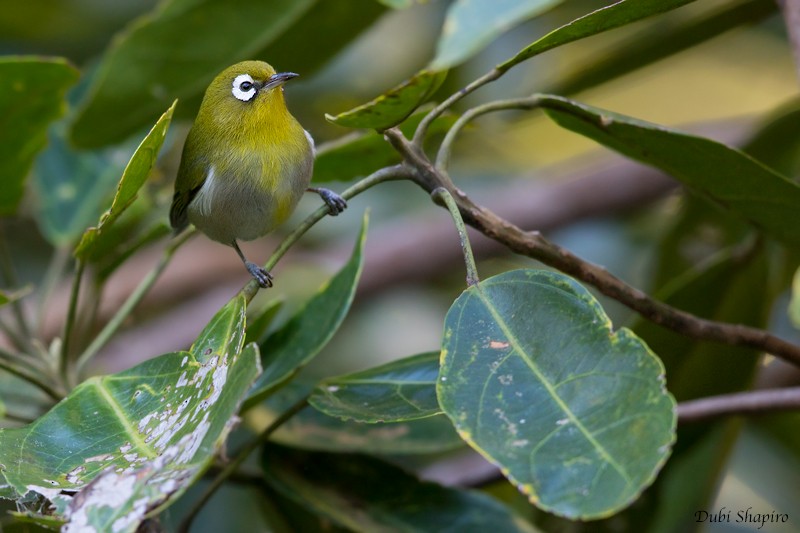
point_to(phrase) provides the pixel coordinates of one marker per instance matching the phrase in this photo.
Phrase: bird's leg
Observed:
(336, 204)
(263, 277)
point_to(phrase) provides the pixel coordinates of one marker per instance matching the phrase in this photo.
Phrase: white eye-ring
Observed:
(243, 87)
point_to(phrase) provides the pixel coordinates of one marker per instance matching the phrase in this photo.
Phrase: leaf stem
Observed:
(443, 157)
(133, 300)
(396, 172)
(241, 456)
(442, 195)
(69, 324)
(422, 128)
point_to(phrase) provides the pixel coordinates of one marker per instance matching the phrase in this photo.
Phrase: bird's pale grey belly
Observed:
(230, 209)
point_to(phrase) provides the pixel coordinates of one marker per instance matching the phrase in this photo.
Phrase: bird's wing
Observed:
(191, 177)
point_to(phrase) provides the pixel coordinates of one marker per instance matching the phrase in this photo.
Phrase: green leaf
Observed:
(794, 304)
(777, 142)
(313, 430)
(726, 175)
(171, 54)
(133, 178)
(359, 154)
(470, 25)
(535, 380)
(175, 51)
(133, 441)
(258, 325)
(604, 19)
(395, 392)
(32, 95)
(362, 493)
(296, 343)
(658, 41)
(394, 106)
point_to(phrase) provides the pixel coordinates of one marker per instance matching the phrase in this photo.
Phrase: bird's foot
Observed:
(260, 274)
(336, 204)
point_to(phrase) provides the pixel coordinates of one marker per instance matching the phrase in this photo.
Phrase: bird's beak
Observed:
(278, 79)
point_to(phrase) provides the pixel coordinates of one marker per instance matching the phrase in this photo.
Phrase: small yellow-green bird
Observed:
(246, 161)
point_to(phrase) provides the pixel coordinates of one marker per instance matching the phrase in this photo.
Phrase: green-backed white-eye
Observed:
(246, 161)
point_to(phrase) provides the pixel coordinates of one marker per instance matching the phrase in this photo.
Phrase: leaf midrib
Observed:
(516, 345)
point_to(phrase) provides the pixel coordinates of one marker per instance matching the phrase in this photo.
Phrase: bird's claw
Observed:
(336, 204)
(260, 274)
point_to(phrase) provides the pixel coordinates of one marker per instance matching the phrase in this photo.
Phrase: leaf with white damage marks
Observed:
(148, 432)
(533, 377)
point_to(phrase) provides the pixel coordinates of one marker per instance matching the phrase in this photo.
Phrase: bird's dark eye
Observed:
(246, 86)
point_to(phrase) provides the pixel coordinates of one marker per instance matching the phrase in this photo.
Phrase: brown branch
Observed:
(741, 403)
(533, 244)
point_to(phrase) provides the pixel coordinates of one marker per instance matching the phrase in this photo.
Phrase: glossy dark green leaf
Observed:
(534, 378)
(258, 325)
(604, 19)
(777, 142)
(360, 154)
(654, 43)
(32, 93)
(175, 52)
(395, 392)
(726, 175)
(394, 106)
(133, 441)
(312, 430)
(366, 494)
(297, 342)
(470, 25)
(133, 178)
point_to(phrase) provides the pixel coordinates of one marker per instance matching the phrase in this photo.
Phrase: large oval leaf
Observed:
(366, 494)
(604, 19)
(132, 441)
(534, 379)
(299, 340)
(31, 97)
(394, 392)
(726, 175)
(472, 24)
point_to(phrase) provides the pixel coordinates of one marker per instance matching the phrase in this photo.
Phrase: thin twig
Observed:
(742, 403)
(69, 324)
(241, 456)
(396, 172)
(532, 244)
(446, 198)
(133, 300)
(443, 157)
(422, 128)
